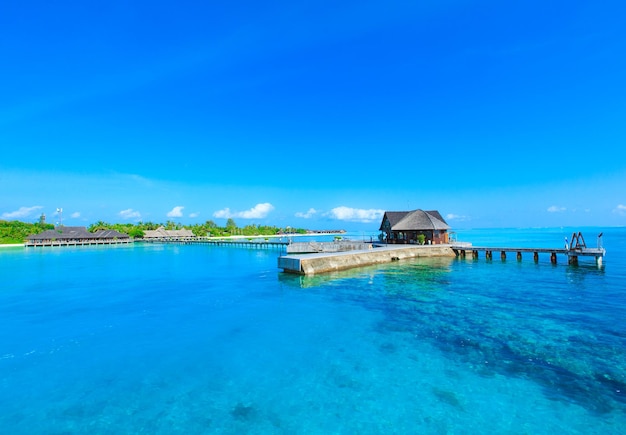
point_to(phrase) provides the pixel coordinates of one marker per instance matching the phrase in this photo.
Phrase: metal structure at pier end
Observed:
(577, 248)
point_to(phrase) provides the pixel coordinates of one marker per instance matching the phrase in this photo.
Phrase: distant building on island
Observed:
(162, 233)
(63, 236)
(407, 226)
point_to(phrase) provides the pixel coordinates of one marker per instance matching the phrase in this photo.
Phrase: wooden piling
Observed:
(572, 251)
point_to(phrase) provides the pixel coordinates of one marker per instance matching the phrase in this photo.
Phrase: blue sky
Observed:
(314, 114)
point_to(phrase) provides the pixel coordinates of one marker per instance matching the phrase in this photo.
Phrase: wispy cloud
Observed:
(146, 182)
(556, 209)
(75, 215)
(456, 217)
(344, 213)
(259, 211)
(22, 212)
(176, 212)
(309, 214)
(194, 215)
(129, 213)
(620, 210)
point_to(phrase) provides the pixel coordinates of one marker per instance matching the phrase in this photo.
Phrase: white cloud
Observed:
(259, 211)
(75, 215)
(620, 210)
(355, 214)
(176, 212)
(456, 217)
(556, 209)
(225, 213)
(306, 215)
(129, 213)
(22, 212)
(194, 215)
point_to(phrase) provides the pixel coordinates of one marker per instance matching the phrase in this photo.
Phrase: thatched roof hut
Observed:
(406, 226)
(162, 233)
(76, 234)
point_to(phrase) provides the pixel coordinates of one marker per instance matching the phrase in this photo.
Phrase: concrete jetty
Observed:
(309, 264)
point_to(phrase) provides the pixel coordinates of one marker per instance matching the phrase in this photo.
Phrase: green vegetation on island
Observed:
(208, 228)
(12, 232)
(17, 232)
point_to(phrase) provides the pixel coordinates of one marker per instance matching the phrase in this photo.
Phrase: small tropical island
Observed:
(16, 232)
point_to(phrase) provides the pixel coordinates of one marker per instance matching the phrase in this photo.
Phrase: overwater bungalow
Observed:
(407, 226)
(162, 233)
(63, 236)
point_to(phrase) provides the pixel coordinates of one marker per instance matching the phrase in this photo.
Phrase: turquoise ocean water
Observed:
(162, 339)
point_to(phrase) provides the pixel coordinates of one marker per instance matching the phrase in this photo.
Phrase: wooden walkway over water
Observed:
(257, 244)
(577, 248)
(572, 254)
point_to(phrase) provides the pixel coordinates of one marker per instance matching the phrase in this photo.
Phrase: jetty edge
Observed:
(310, 264)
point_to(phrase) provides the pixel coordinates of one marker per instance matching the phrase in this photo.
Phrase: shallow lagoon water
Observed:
(200, 339)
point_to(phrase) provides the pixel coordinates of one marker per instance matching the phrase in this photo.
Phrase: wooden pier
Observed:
(578, 248)
(218, 242)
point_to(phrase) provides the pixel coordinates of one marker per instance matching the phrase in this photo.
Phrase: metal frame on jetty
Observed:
(577, 248)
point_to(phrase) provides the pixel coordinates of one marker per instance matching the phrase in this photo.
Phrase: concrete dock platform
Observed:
(309, 264)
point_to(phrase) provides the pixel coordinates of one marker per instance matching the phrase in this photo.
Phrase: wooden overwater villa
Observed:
(76, 236)
(414, 227)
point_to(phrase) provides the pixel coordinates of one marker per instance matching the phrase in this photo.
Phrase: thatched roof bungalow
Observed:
(406, 226)
(75, 234)
(162, 233)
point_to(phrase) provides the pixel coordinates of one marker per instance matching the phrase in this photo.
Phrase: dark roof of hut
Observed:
(415, 220)
(76, 233)
(61, 233)
(110, 234)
